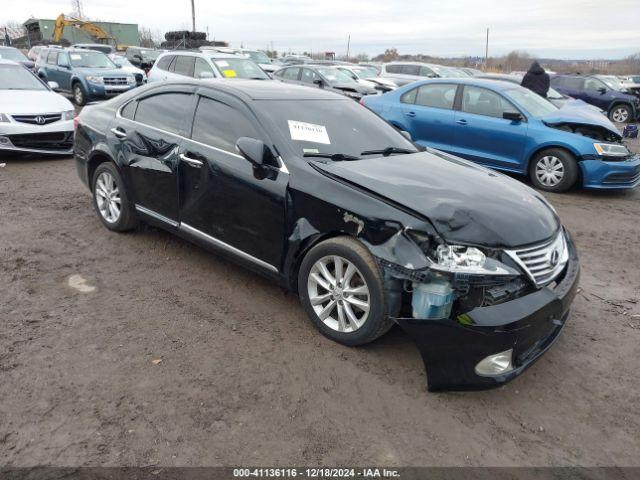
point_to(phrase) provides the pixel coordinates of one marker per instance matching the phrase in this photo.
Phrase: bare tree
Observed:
(149, 38)
(390, 54)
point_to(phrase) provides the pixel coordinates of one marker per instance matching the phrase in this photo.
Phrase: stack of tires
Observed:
(185, 39)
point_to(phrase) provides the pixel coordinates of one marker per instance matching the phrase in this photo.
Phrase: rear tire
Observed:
(110, 199)
(553, 170)
(621, 113)
(351, 306)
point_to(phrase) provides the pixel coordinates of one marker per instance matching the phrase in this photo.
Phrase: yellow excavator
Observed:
(92, 29)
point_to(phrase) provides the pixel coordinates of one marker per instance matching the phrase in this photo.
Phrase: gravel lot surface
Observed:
(163, 354)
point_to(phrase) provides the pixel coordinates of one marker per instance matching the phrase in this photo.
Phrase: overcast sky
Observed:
(545, 28)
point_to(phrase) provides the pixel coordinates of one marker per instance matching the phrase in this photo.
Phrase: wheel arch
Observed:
(96, 158)
(541, 148)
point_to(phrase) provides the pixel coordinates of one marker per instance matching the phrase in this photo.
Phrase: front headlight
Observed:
(352, 94)
(4, 118)
(131, 80)
(470, 260)
(68, 115)
(611, 150)
(96, 80)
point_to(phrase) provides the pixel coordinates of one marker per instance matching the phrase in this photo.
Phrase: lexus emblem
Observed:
(40, 120)
(554, 258)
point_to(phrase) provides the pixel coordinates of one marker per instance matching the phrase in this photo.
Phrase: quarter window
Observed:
(219, 125)
(481, 101)
(410, 96)
(436, 96)
(129, 110)
(165, 111)
(52, 59)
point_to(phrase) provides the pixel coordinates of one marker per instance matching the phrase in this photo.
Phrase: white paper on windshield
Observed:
(308, 132)
(75, 56)
(222, 63)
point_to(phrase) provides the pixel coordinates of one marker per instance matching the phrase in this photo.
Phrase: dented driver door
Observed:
(224, 200)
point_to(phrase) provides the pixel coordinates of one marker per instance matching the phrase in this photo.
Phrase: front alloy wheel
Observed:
(341, 290)
(620, 114)
(338, 293)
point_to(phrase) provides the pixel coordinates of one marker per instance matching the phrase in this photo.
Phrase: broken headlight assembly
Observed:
(611, 150)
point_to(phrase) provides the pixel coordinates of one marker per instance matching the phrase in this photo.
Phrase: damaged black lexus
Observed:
(320, 194)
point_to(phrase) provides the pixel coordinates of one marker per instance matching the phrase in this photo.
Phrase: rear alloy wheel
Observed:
(620, 114)
(110, 199)
(341, 290)
(554, 170)
(78, 95)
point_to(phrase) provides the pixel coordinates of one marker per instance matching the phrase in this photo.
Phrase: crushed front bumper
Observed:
(529, 325)
(600, 174)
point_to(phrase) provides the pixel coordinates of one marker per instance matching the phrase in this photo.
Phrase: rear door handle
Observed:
(410, 114)
(191, 161)
(119, 133)
(462, 121)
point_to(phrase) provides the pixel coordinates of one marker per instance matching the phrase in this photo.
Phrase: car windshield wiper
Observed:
(336, 157)
(388, 151)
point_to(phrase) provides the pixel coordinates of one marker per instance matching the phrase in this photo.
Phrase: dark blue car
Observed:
(507, 127)
(600, 92)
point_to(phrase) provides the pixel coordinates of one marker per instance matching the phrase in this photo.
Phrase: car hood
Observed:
(466, 203)
(33, 102)
(575, 113)
(354, 87)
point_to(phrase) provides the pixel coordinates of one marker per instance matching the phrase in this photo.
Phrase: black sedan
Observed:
(324, 76)
(323, 196)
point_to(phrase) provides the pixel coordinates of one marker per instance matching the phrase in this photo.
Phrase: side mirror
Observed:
(53, 85)
(255, 151)
(205, 75)
(602, 90)
(118, 65)
(406, 135)
(64, 65)
(319, 82)
(513, 116)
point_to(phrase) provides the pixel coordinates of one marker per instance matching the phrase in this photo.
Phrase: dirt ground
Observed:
(179, 357)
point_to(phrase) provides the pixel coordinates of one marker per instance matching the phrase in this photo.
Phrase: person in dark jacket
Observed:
(536, 80)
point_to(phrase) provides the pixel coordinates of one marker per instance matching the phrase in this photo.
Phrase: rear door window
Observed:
(411, 69)
(309, 76)
(394, 68)
(291, 73)
(184, 65)
(573, 82)
(164, 62)
(437, 96)
(165, 111)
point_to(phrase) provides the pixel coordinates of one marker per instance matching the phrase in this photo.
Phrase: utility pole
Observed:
(486, 53)
(193, 15)
(348, 46)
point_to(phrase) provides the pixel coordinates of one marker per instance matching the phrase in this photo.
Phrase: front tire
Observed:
(110, 199)
(554, 170)
(340, 288)
(621, 113)
(79, 97)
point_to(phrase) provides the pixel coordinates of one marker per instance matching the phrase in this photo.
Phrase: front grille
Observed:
(42, 119)
(43, 141)
(120, 81)
(543, 262)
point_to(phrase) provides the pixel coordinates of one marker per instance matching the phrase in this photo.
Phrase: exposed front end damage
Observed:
(494, 327)
(597, 132)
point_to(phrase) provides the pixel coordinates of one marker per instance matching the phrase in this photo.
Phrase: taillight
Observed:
(76, 122)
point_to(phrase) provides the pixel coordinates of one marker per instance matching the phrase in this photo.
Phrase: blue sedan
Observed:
(507, 127)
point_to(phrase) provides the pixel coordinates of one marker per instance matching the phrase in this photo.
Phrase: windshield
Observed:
(14, 77)
(150, 54)
(334, 75)
(258, 57)
(447, 72)
(554, 94)
(12, 54)
(331, 126)
(239, 68)
(121, 61)
(365, 72)
(533, 103)
(612, 82)
(90, 60)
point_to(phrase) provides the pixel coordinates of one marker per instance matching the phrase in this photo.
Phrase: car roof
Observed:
(9, 62)
(498, 85)
(205, 54)
(259, 89)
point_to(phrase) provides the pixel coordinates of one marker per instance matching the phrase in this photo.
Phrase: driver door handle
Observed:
(191, 161)
(118, 132)
(462, 121)
(410, 114)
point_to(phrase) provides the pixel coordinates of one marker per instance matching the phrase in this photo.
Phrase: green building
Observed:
(40, 31)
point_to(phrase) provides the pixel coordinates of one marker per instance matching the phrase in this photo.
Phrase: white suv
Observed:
(177, 65)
